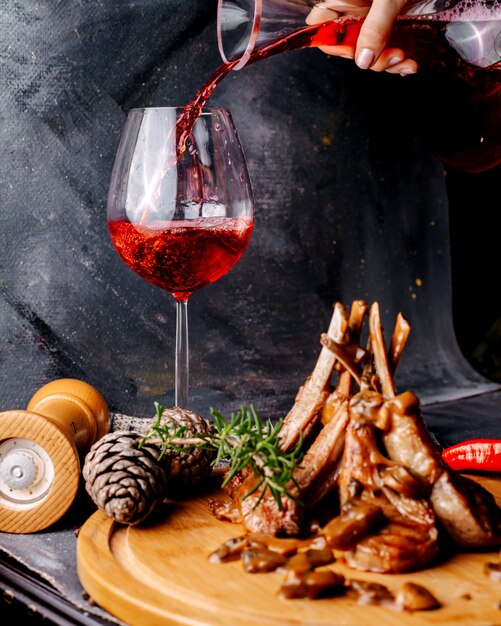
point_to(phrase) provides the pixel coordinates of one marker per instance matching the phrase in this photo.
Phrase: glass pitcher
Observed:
(244, 27)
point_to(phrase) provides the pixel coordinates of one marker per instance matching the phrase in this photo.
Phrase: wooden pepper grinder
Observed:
(41, 450)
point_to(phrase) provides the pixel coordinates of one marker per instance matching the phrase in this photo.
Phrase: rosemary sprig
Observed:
(244, 441)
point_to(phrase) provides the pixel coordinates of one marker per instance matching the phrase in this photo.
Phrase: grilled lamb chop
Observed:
(343, 332)
(467, 511)
(265, 516)
(396, 548)
(409, 537)
(312, 395)
(394, 491)
(323, 456)
(318, 472)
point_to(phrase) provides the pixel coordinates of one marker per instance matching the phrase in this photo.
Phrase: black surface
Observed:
(26, 599)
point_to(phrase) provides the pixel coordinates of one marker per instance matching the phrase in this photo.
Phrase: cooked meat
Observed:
(409, 539)
(325, 451)
(312, 395)
(413, 597)
(396, 548)
(467, 511)
(400, 479)
(326, 481)
(225, 510)
(372, 462)
(363, 466)
(344, 333)
(408, 441)
(356, 521)
(266, 516)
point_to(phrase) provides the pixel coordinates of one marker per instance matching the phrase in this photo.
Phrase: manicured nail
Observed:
(346, 56)
(365, 58)
(394, 61)
(407, 71)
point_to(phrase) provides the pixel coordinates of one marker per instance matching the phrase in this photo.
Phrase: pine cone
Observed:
(125, 482)
(187, 468)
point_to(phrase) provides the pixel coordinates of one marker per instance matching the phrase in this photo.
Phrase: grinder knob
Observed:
(19, 470)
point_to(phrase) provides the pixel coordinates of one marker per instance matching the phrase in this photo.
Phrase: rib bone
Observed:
(379, 350)
(344, 386)
(312, 395)
(325, 451)
(398, 342)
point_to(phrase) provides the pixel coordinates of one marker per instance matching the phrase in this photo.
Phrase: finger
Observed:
(319, 15)
(394, 61)
(407, 67)
(388, 58)
(376, 31)
(347, 52)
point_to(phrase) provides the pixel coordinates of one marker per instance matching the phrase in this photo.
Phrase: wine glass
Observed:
(180, 216)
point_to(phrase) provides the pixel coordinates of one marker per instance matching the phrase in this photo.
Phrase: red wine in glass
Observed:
(180, 221)
(182, 256)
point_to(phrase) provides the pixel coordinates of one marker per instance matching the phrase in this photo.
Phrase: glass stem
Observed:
(182, 354)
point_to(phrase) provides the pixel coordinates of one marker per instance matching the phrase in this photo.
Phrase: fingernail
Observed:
(407, 71)
(346, 56)
(394, 61)
(365, 58)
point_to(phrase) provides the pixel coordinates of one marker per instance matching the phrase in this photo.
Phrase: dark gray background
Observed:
(350, 203)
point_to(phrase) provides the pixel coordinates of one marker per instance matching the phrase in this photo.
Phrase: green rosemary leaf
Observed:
(248, 443)
(232, 472)
(257, 421)
(159, 409)
(262, 493)
(256, 486)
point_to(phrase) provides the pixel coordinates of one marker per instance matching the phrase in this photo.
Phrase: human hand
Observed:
(370, 51)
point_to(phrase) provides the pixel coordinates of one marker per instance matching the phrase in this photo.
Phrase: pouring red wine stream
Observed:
(469, 139)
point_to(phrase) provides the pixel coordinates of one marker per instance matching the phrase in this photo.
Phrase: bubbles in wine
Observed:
(473, 30)
(480, 10)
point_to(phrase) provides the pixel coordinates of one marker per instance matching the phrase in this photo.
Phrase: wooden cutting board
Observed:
(159, 575)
